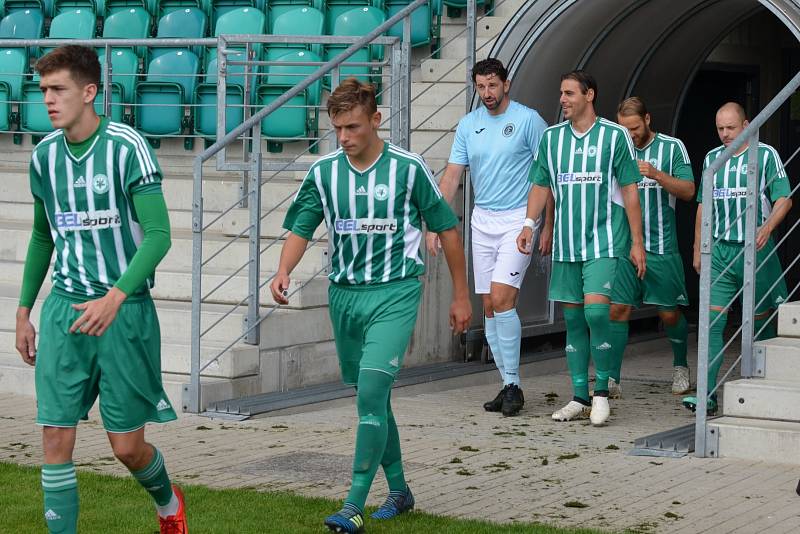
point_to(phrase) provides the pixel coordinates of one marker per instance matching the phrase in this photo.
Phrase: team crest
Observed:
(592, 151)
(654, 162)
(100, 184)
(381, 192)
(508, 129)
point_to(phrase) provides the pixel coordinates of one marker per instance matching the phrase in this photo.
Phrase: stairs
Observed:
(761, 420)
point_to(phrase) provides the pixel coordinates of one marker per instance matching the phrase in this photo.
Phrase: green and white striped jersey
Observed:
(669, 155)
(89, 206)
(585, 173)
(730, 190)
(374, 217)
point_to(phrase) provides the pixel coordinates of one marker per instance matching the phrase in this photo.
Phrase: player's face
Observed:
(356, 130)
(638, 127)
(65, 99)
(729, 125)
(492, 90)
(573, 102)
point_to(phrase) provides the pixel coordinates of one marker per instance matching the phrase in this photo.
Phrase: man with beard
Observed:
(497, 141)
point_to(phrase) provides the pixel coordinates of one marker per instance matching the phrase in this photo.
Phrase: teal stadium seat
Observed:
(181, 23)
(33, 113)
(62, 6)
(5, 106)
(205, 110)
(334, 8)
(124, 71)
(168, 6)
(300, 20)
(10, 6)
(242, 20)
(128, 23)
(276, 8)
(22, 24)
(116, 107)
(426, 22)
(79, 23)
(221, 7)
(356, 22)
(13, 69)
(114, 6)
(169, 86)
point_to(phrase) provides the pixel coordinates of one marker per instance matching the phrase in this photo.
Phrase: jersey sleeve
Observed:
(35, 175)
(775, 176)
(429, 200)
(681, 167)
(706, 163)
(539, 174)
(142, 172)
(458, 152)
(305, 213)
(536, 128)
(626, 171)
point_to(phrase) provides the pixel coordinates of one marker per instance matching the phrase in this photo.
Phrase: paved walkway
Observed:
(463, 462)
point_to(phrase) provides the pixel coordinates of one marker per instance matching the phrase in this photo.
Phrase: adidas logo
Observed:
(607, 285)
(681, 297)
(605, 346)
(361, 191)
(579, 151)
(778, 300)
(162, 405)
(570, 348)
(395, 362)
(50, 515)
(80, 182)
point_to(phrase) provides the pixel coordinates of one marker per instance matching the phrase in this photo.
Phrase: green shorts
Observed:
(664, 282)
(571, 280)
(372, 325)
(722, 292)
(123, 367)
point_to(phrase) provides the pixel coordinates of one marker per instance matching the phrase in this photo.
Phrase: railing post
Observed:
(470, 54)
(107, 85)
(334, 84)
(222, 96)
(703, 356)
(750, 227)
(191, 393)
(397, 70)
(405, 87)
(254, 271)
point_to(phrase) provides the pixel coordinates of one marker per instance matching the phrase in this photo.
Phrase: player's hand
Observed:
(696, 260)
(546, 240)
(639, 259)
(279, 288)
(432, 243)
(26, 337)
(525, 240)
(98, 314)
(762, 236)
(460, 314)
(646, 169)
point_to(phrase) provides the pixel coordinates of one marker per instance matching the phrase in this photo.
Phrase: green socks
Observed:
(600, 341)
(155, 480)
(372, 435)
(618, 332)
(678, 335)
(577, 350)
(715, 344)
(392, 461)
(60, 488)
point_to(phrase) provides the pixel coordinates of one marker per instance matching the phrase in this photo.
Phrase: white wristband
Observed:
(529, 223)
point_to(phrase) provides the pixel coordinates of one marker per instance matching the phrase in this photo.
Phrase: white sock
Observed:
(171, 508)
(509, 334)
(490, 329)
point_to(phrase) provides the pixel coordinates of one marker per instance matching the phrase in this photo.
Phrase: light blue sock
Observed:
(490, 329)
(509, 335)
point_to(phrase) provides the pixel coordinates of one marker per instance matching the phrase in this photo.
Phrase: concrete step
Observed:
(212, 390)
(758, 440)
(781, 358)
(487, 26)
(432, 94)
(14, 237)
(16, 376)
(763, 399)
(299, 366)
(456, 48)
(238, 220)
(789, 319)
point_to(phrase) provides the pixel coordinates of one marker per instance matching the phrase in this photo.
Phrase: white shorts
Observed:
(495, 257)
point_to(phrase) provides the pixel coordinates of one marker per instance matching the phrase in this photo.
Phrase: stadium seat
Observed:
(221, 7)
(205, 110)
(13, 68)
(181, 23)
(128, 23)
(61, 6)
(124, 71)
(426, 22)
(454, 7)
(5, 107)
(242, 20)
(356, 22)
(117, 106)
(22, 24)
(276, 8)
(10, 6)
(79, 23)
(169, 86)
(164, 7)
(335, 8)
(300, 20)
(114, 6)
(33, 113)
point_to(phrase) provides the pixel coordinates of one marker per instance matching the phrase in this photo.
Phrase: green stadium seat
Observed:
(276, 8)
(114, 6)
(78, 23)
(22, 24)
(117, 106)
(128, 23)
(13, 68)
(165, 7)
(242, 20)
(181, 23)
(300, 20)
(426, 22)
(5, 107)
(335, 8)
(62, 6)
(169, 86)
(221, 7)
(9, 6)
(454, 7)
(356, 22)
(33, 113)
(205, 110)
(124, 71)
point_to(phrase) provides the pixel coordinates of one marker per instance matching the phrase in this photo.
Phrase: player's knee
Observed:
(131, 454)
(619, 312)
(58, 443)
(669, 317)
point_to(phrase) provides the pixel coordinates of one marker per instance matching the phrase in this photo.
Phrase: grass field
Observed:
(120, 506)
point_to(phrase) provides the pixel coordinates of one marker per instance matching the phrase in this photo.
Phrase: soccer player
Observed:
(373, 197)
(667, 175)
(588, 164)
(727, 264)
(97, 201)
(497, 141)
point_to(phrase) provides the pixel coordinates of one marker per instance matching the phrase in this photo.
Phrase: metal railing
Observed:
(750, 302)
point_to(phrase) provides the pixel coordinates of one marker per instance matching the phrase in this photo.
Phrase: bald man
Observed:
(727, 264)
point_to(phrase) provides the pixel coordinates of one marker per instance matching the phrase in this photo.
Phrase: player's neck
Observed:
(648, 140)
(365, 159)
(583, 123)
(743, 149)
(83, 129)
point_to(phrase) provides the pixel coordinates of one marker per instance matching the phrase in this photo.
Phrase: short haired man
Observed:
(97, 201)
(497, 141)
(667, 175)
(727, 264)
(588, 164)
(373, 197)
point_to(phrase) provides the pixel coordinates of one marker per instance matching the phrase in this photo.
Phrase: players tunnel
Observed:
(683, 57)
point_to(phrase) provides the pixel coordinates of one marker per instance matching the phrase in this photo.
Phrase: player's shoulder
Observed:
(714, 152)
(406, 156)
(327, 159)
(769, 149)
(474, 115)
(558, 126)
(47, 140)
(668, 139)
(520, 109)
(611, 125)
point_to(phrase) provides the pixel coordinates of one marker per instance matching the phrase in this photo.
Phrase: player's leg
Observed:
(771, 291)
(598, 280)
(400, 498)
(66, 387)
(566, 286)
(677, 331)
(626, 293)
(132, 395)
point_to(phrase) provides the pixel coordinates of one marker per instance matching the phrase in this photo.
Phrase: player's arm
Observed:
(153, 217)
(682, 189)
(779, 191)
(291, 254)
(546, 236)
(448, 186)
(460, 309)
(779, 211)
(537, 200)
(37, 263)
(630, 197)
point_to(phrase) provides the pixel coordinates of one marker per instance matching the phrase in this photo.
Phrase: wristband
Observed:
(529, 223)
